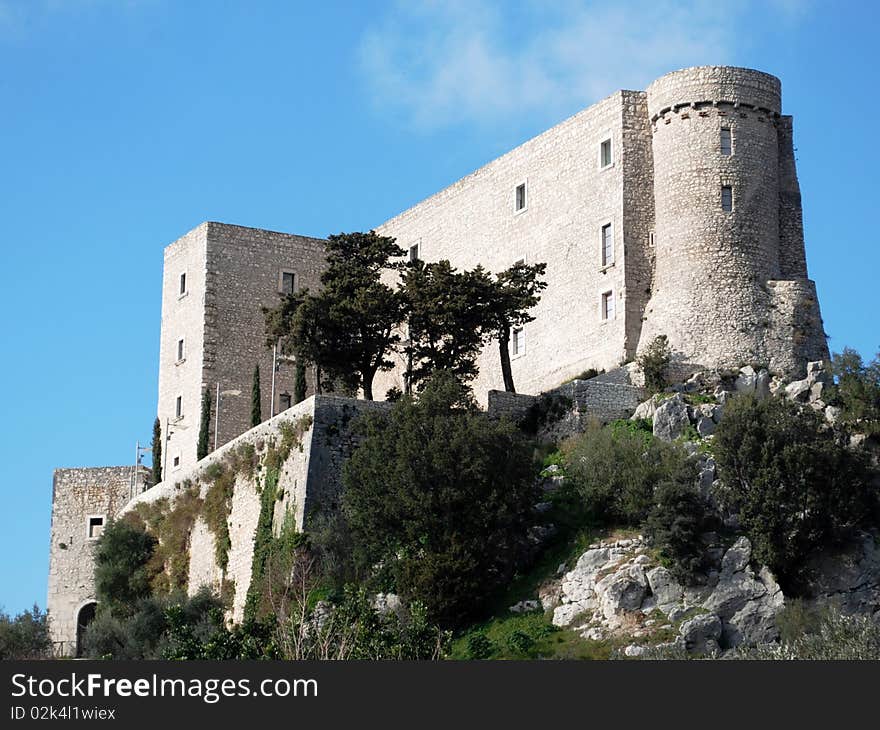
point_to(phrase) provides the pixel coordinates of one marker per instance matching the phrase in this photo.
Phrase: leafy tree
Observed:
(203, 447)
(26, 636)
(614, 471)
(347, 330)
(256, 399)
(362, 310)
(654, 363)
(517, 290)
(794, 488)
(157, 451)
(858, 390)
(123, 572)
(440, 497)
(450, 316)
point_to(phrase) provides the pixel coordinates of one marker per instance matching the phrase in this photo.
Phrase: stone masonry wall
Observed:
(309, 482)
(570, 196)
(232, 272)
(77, 495)
(710, 293)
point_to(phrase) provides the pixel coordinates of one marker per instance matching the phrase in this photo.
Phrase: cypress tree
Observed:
(256, 408)
(202, 448)
(157, 451)
(299, 382)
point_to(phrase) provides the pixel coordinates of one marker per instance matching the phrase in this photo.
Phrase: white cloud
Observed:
(443, 63)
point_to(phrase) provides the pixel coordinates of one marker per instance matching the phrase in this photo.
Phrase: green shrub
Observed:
(613, 471)
(26, 636)
(479, 646)
(441, 496)
(124, 567)
(794, 488)
(837, 638)
(675, 524)
(654, 363)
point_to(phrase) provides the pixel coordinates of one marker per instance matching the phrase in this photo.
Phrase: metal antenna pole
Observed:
(274, 368)
(217, 415)
(165, 452)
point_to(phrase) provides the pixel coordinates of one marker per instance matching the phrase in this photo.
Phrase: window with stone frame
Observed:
(607, 239)
(288, 282)
(608, 305)
(518, 341)
(726, 142)
(95, 527)
(726, 198)
(605, 154)
(521, 197)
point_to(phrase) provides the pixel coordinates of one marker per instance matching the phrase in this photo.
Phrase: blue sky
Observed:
(125, 123)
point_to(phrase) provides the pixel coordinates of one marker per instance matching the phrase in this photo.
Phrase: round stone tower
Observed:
(715, 137)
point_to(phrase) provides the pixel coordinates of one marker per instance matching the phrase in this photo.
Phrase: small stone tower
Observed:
(730, 281)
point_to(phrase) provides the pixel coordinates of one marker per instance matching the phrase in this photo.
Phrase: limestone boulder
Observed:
(671, 418)
(701, 634)
(746, 381)
(665, 589)
(737, 556)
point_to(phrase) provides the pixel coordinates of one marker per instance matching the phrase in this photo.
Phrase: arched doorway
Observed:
(84, 617)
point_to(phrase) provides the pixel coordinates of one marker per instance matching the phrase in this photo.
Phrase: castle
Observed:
(674, 211)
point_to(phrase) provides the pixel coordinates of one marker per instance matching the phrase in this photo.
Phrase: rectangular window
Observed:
(284, 401)
(607, 245)
(175, 462)
(183, 284)
(414, 252)
(608, 305)
(288, 280)
(726, 198)
(726, 141)
(179, 350)
(96, 527)
(521, 197)
(519, 341)
(178, 407)
(605, 158)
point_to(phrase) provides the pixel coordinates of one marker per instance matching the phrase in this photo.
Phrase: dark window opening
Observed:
(521, 197)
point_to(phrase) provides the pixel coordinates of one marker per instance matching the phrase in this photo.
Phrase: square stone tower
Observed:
(216, 279)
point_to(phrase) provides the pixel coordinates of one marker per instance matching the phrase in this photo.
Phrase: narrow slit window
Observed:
(521, 197)
(178, 407)
(414, 252)
(605, 158)
(183, 283)
(519, 341)
(607, 245)
(608, 305)
(726, 142)
(180, 350)
(726, 198)
(288, 280)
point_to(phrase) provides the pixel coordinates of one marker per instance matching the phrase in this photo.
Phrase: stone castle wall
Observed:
(77, 496)
(310, 483)
(231, 272)
(570, 196)
(710, 293)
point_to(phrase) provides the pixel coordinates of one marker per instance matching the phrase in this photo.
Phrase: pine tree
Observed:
(517, 290)
(157, 451)
(203, 448)
(256, 406)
